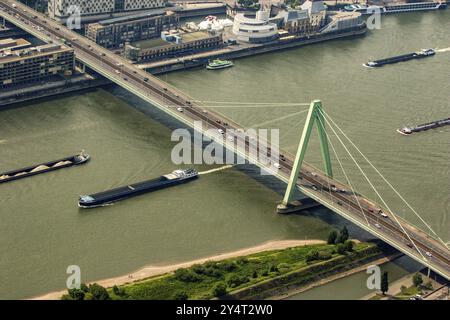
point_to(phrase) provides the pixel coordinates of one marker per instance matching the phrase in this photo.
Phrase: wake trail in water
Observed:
(216, 169)
(443, 50)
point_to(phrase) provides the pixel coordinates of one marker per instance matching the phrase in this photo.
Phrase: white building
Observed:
(61, 9)
(254, 30)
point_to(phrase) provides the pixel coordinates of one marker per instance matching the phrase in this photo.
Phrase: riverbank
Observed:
(153, 270)
(254, 276)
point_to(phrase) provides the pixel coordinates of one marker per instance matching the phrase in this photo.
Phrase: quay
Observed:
(242, 50)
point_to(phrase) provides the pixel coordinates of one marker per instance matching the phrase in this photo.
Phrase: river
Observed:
(42, 231)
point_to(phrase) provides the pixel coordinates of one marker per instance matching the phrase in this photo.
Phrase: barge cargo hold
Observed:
(44, 167)
(122, 193)
(424, 127)
(424, 53)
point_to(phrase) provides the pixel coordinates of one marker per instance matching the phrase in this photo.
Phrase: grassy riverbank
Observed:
(253, 276)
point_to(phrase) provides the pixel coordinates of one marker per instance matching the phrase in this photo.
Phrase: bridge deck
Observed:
(359, 210)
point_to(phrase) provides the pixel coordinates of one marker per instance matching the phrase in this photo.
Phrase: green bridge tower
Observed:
(315, 115)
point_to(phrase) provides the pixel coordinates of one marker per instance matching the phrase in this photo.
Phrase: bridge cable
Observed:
(346, 177)
(280, 118)
(376, 191)
(254, 104)
(387, 182)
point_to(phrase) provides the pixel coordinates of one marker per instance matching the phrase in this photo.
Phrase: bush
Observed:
(84, 287)
(181, 295)
(273, 268)
(219, 290)
(312, 255)
(88, 296)
(236, 280)
(417, 280)
(76, 294)
(283, 267)
(227, 266)
(340, 248)
(119, 291)
(349, 245)
(187, 275)
(98, 292)
(324, 255)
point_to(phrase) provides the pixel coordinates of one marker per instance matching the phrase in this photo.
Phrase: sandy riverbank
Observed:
(150, 271)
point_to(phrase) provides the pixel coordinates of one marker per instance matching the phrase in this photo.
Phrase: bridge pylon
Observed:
(315, 116)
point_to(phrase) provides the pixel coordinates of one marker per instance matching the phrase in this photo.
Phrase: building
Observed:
(254, 30)
(344, 21)
(62, 9)
(308, 18)
(294, 21)
(317, 12)
(114, 33)
(34, 64)
(172, 44)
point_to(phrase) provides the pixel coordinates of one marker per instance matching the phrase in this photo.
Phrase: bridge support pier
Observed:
(314, 115)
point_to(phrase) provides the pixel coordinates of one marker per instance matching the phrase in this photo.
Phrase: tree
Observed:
(384, 283)
(417, 279)
(332, 236)
(98, 292)
(340, 249)
(344, 234)
(219, 289)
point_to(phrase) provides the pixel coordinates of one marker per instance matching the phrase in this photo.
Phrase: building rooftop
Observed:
(7, 56)
(13, 43)
(313, 6)
(159, 42)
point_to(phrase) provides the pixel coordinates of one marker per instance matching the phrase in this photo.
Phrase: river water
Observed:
(42, 231)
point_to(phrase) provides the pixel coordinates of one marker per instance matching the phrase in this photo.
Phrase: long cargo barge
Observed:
(44, 167)
(132, 190)
(424, 53)
(424, 127)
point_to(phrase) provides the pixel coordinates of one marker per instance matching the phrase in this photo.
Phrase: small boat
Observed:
(44, 167)
(219, 64)
(108, 197)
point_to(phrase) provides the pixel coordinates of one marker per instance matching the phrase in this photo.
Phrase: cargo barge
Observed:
(132, 190)
(424, 53)
(44, 167)
(424, 127)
